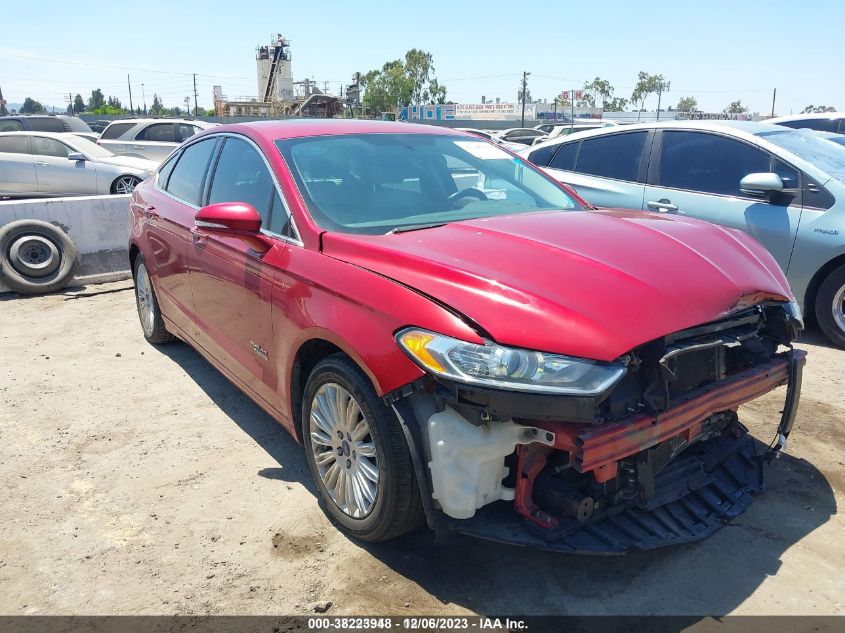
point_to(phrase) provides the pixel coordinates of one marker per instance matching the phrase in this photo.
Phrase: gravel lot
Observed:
(137, 480)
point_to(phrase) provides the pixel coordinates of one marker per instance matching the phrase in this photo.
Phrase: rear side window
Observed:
(708, 163)
(188, 176)
(10, 125)
(186, 131)
(47, 124)
(157, 132)
(543, 155)
(164, 171)
(242, 176)
(115, 130)
(614, 156)
(822, 125)
(49, 147)
(13, 145)
(565, 157)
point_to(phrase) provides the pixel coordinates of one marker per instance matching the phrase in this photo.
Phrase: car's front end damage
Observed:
(598, 457)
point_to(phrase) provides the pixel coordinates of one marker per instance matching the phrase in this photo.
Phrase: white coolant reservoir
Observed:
(468, 462)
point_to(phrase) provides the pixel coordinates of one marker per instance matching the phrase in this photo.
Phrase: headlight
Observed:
(794, 310)
(506, 367)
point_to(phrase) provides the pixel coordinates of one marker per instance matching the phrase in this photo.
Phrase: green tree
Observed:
(402, 82)
(598, 91)
(821, 108)
(648, 85)
(30, 106)
(156, 107)
(735, 107)
(114, 102)
(616, 104)
(78, 104)
(97, 100)
(687, 104)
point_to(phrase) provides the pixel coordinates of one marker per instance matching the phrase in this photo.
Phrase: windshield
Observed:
(87, 147)
(375, 183)
(806, 144)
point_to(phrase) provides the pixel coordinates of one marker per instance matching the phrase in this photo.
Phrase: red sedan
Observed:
(454, 337)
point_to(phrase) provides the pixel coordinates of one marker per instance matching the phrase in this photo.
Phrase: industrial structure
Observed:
(278, 94)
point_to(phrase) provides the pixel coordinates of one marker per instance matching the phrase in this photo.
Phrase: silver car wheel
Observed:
(839, 308)
(145, 299)
(125, 184)
(344, 450)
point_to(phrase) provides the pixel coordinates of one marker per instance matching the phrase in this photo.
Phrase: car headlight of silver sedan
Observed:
(492, 365)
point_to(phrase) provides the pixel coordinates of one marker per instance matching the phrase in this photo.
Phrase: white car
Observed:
(153, 139)
(820, 121)
(564, 129)
(47, 164)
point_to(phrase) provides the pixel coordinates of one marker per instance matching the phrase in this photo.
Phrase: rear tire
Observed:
(337, 385)
(152, 323)
(124, 185)
(830, 306)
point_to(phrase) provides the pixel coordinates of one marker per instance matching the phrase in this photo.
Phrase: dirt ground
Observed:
(137, 480)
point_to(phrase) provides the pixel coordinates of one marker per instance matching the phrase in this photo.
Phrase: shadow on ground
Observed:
(713, 576)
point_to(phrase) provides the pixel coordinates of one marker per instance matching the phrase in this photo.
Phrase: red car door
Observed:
(232, 284)
(168, 209)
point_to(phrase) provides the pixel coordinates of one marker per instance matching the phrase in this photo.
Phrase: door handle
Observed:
(663, 205)
(38, 162)
(137, 147)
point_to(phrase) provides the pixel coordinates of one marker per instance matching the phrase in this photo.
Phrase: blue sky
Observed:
(716, 50)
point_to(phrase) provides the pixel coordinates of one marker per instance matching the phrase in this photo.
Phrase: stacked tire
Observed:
(35, 257)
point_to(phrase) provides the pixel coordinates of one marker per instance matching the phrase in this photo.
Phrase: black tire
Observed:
(397, 507)
(825, 310)
(153, 328)
(36, 257)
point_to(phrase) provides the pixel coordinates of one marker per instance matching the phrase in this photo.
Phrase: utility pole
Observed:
(660, 87)
(524, 89)
(774, 96)
(196, 107)
(144, 98)
(130, 91)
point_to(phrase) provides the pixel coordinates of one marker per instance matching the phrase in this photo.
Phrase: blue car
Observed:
(783, 186)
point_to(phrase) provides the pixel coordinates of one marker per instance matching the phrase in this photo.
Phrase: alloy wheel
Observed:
(839, 308)
(145, 300)
(125, 184)
(344, 450)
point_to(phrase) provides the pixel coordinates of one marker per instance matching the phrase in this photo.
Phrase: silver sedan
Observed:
(45, 164)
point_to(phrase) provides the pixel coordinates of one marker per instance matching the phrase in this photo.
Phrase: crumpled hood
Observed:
(593, 284)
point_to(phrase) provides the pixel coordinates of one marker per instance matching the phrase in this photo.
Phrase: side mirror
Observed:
(229, 217)
(76, 156)
(233, 219)
(761, 183)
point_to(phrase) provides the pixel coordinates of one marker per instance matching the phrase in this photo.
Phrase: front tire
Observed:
(830, 306)
(152, 323)
(357, 453)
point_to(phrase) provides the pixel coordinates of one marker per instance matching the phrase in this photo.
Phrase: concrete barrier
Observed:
(98, 226)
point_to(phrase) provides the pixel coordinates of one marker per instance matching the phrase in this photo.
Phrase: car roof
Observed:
(161, 120)
(298, 128)
(807, 116)
(735, 128)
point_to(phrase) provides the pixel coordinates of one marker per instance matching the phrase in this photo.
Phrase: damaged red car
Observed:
(456, 338)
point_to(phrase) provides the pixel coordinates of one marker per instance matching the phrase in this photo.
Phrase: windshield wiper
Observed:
(415, 227)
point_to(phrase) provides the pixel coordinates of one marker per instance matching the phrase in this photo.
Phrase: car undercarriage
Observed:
(659, 458)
